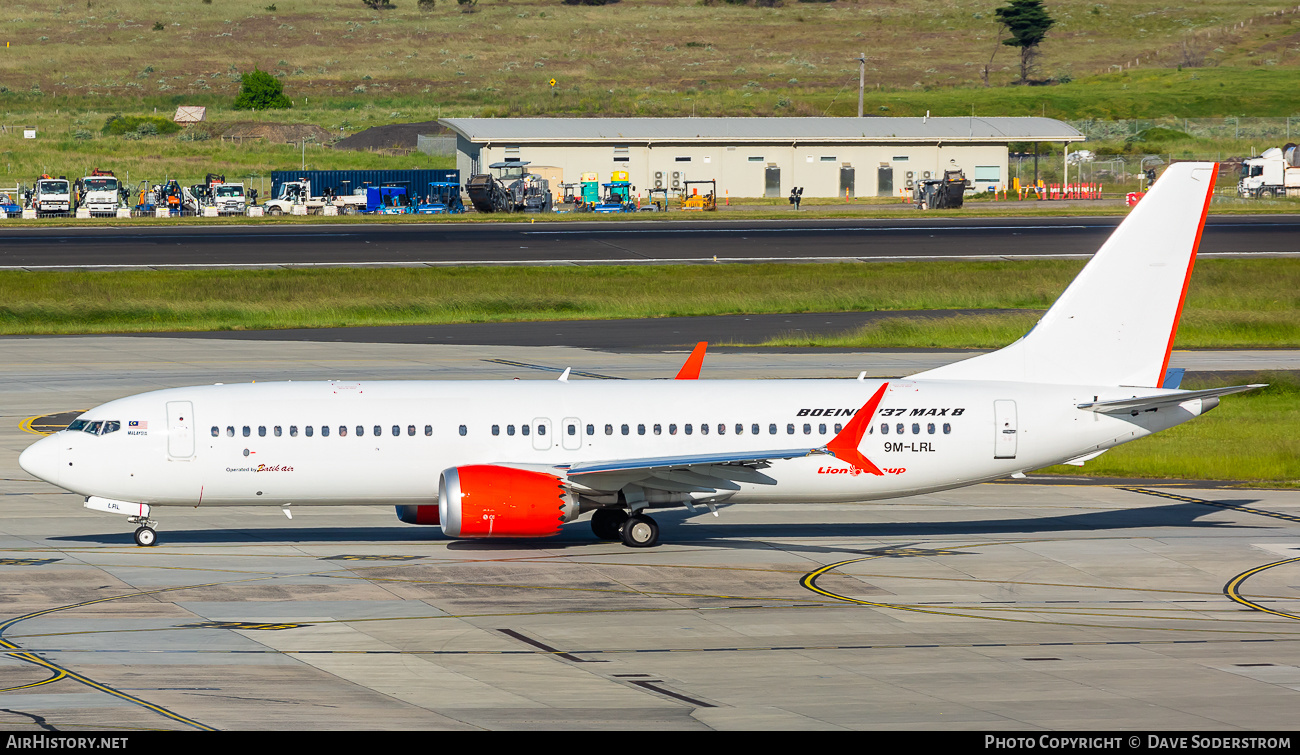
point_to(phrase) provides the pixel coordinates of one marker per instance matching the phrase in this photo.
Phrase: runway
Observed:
(614, 241)
(996, 607)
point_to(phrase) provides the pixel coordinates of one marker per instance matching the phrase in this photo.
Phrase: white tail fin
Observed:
(1115, 323)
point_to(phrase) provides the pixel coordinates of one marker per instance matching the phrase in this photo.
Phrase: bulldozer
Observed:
(509, 187)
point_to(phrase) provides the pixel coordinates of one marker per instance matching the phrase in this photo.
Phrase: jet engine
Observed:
(418, 514)
(494, 501)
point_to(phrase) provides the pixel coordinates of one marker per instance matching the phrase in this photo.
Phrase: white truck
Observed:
(229, 199)
(51, 196)
(99, 193)
(298, 193)
(1276, 173)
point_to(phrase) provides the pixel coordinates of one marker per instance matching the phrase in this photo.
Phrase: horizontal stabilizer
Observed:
(1146, 403)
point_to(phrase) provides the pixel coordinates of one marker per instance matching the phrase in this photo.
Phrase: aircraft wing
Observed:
(1139, 404)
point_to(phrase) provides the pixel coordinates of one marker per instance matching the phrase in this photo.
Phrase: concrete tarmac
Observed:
(1004, 607)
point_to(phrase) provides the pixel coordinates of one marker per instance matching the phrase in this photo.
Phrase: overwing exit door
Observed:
(1004, 428)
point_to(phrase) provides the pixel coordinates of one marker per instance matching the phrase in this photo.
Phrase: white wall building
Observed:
(756, 157)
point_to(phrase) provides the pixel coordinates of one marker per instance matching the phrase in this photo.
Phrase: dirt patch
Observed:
(394, 136)
(276, 133)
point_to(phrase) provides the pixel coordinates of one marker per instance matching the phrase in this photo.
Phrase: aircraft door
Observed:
(180, 429)
(1004, 420)
(542, 434)
(571, 434)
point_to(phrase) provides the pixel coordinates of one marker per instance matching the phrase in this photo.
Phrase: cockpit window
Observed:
(110, 426)
(93, 427)
(77, 424)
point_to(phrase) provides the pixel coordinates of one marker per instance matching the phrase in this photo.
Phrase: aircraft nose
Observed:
(42, 460)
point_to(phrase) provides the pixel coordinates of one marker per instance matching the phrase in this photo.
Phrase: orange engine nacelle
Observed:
(492, 501)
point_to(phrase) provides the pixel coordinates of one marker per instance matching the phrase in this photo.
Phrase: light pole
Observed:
(862, 79)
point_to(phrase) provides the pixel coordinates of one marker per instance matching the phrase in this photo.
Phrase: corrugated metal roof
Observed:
(635, 130)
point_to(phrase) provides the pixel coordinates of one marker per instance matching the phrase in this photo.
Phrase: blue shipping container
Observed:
(348, 181)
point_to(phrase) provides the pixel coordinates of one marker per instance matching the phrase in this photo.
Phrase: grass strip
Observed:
(1230, 303)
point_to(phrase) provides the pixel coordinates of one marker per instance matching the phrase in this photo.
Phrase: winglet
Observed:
(691, 370)
(844, 446)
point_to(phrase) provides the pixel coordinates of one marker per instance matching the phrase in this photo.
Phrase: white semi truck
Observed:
(1276, 173)
(52, 196)
(100, 193)
(299, 193)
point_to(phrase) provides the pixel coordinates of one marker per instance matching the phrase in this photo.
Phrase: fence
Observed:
(1271, 129)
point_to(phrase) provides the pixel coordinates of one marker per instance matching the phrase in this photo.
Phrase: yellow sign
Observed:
(552, 82)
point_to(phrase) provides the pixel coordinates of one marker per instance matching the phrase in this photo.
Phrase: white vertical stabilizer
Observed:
(1115, 323)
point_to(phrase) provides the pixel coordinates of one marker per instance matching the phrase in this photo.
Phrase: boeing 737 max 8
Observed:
(522, 458)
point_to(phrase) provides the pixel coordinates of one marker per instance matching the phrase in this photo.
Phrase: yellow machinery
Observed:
(693, 199)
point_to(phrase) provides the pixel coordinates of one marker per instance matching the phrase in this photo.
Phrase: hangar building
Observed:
(756, 157)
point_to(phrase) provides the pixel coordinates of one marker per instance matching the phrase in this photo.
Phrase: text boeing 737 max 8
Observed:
(521, 458)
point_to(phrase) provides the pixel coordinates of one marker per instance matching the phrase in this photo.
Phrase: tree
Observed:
(1028, 22)
(261, 91)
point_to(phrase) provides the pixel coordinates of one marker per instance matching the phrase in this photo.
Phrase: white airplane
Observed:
(515, 459)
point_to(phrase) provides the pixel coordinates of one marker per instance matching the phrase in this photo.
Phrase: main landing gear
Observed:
(635, 530)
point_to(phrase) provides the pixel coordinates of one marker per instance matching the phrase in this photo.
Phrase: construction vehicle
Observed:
(227, 198)
(617, 195)
(443, 199)
(509, 187)
(299, 194)
(571, 198)
(947, 193)
(658, 200)
(51, 196)
(100, 192)
(1276, 173)
(698, 202)
(9, 202)
(151, 197)
(388, 200)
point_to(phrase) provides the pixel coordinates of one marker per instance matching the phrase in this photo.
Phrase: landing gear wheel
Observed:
(640, 531)
(608, 523)
(145, 536)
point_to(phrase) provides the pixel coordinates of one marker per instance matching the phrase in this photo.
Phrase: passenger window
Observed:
(361, 431)
(704, 429)
(541, 429)
(884, 428)
(216, 431)
(230, 431)
(899, 428)
(591, 430)
(672, 429)
(496, 429)
(324, 431)
(659, 430)
(947, 428)
(261, 431)
(807, 429)
(789, 429)
(293, 431)
(396, 431)
(378, 431)
(771, 429)
(640, 429)
(247, 431)
(572, 430)
(525, 429)
(308, 431)
(278, 431)
(753, 429)
(624, 429)
(510, 429)
(916, 428)
(463, 431)
(838, 428)
(740, 429)
(822, 428)
(343, 431)
(722, 429)
(428, 430)
(410, 430)
(689, 429)
(930, 428)
(609, 429)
